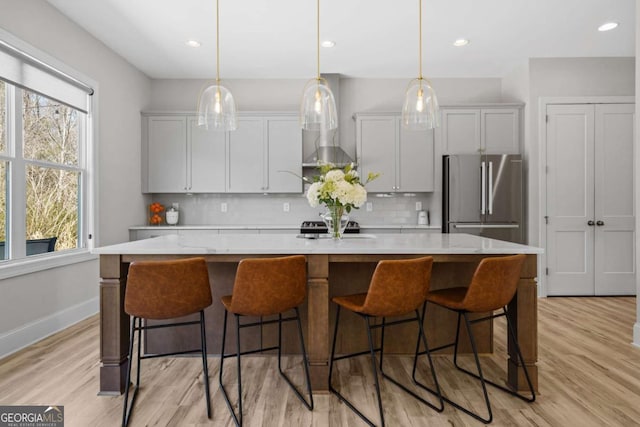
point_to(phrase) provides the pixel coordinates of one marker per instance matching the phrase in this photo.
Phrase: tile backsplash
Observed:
(255, 209)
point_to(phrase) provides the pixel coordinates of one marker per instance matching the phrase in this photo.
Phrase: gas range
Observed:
(319, 227)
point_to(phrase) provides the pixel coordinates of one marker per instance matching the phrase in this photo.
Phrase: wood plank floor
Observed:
(589, 376)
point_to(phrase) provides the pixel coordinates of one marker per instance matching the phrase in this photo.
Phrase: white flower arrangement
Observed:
(340, 188)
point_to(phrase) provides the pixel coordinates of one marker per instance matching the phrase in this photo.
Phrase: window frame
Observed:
(16, 168)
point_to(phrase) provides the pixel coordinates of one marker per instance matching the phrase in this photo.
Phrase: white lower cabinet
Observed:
(403, 158)
(264, 155)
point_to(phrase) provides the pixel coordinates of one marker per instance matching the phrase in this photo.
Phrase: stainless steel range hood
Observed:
(328, 154)
(327, 144)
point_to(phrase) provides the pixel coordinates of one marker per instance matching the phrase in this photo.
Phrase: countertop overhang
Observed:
(278, 227)
(427, 243)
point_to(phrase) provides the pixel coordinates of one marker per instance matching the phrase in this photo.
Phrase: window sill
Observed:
(37, 263)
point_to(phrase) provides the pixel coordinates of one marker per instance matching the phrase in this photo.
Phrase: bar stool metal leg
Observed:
(128, 407)
(374, 369)
(236, 419)
(333, 358)
(512, 335)
(305, 362)
(127, 413)
(205, 365)
(479, 376)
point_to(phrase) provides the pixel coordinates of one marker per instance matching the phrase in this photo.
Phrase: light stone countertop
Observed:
(278, 227)
(395, 243)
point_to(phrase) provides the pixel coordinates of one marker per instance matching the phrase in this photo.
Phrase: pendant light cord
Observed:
(218, 41)
(420, 39)
(318, 34)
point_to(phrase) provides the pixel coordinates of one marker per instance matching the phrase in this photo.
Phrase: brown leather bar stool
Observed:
(265, 287)
(492, 287)
(160, 290)
(397, 288)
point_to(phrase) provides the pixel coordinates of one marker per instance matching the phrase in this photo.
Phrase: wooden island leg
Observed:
(523, 312)
(318, 321)
(114, 325)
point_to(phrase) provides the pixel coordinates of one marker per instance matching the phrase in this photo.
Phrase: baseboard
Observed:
(636, 334)
(32, 332)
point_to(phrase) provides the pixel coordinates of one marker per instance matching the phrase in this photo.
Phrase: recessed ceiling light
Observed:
(328, 43)
(461, 42)
(608, 26)
(192, 43)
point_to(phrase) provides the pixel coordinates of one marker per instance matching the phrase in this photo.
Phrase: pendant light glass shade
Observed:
(216, 106)
(420, 109)
(318, 109)
(217, 109)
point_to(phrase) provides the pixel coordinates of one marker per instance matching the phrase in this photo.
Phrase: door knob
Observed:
(591, 223)
(599, 223)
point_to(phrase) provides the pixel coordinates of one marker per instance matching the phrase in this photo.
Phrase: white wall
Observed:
(515, 88)
(636, 328)
(35, 305)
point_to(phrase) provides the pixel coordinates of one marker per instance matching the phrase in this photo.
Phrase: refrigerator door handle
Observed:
(483, 177)
(490, 188)
(461, 226)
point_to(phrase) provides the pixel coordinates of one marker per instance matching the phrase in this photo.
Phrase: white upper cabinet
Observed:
(284, 161)
(404, 158)
(265, 155)
(207, 159)
(415, 160)
(486, 130)
(164, 154)
(246, 156)
(181, 157)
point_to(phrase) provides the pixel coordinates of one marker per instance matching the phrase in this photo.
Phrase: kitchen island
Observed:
(334, 268)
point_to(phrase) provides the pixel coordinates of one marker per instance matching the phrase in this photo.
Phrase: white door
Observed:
(590, 199)
(570, 199)
(614, 196)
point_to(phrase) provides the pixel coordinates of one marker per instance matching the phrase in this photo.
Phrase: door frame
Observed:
(542, 165)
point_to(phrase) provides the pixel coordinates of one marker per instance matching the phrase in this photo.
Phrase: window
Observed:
(3, 170)
(44, 162)
(52, 176)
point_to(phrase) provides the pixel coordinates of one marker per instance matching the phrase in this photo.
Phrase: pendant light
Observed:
(216, 106)
(318, 107)
(420, 110)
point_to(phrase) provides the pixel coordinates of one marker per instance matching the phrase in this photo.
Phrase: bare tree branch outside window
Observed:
(50, 132)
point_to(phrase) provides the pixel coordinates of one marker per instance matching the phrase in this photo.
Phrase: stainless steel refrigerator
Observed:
(483, 195)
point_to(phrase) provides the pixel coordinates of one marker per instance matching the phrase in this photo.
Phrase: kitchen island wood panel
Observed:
(334, 267)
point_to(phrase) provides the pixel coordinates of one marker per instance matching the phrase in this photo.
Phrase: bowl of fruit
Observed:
(154, 213)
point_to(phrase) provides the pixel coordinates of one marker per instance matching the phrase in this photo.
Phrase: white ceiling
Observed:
(374, 38)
